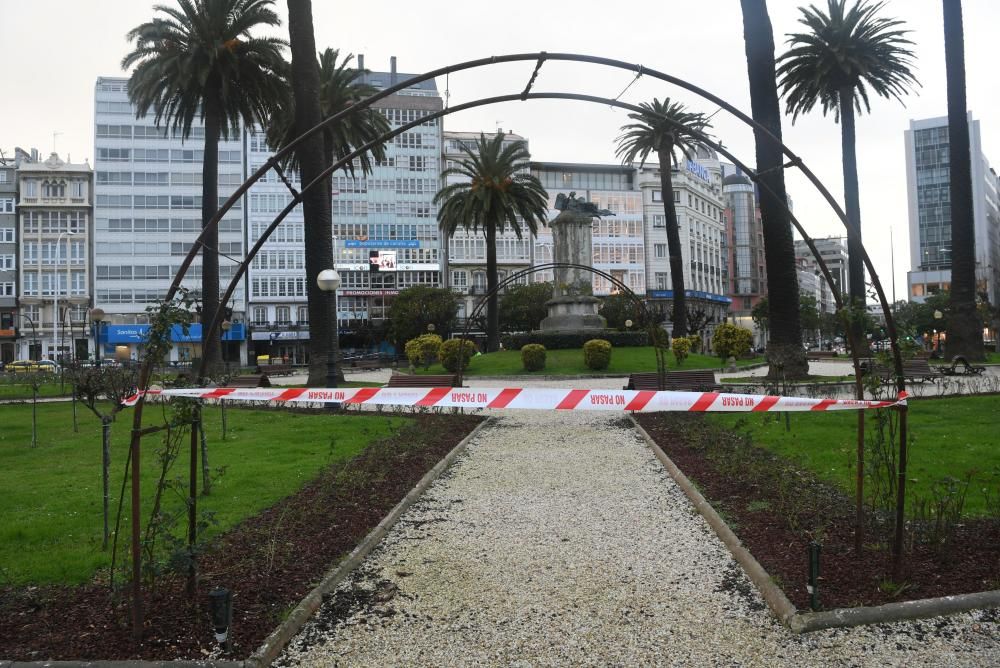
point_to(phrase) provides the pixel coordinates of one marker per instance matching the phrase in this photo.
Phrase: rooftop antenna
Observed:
(54, 135)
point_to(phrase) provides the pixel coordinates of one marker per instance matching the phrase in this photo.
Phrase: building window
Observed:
(660, 250)
(459, 279)
(7, 234)
(259, 315)
(657, 195)
(662, 280)
(6, 204)
(659, 220)
(283, 315)
(303, 315)
(30, 188)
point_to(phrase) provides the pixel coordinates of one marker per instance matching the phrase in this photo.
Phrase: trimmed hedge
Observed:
(423, 350)
(597, 354)
(567, 340)
(682, 346)
(533, 357)
(452, 349)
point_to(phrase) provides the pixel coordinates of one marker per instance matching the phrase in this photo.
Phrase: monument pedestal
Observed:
(573, 313)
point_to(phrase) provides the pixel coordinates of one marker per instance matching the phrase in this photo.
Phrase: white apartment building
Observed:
(8, 261)
(465, 262)
(147, 214)
(54, 211)
(833, 251)
(929, 210)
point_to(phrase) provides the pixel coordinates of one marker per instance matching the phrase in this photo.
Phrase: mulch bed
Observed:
(270, 562)
(776, 522)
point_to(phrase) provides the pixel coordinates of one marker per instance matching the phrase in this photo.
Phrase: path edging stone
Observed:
(783, 609)
(275, 643)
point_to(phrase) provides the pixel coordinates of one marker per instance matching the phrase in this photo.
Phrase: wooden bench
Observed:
(914, 370)
(275, 369)
(821, 354)
(254, 380)
(699, 380)
(966, 368)
(407, 380)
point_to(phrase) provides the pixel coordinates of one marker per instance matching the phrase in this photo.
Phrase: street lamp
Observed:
(328, 281)
(55, 316)
(226, 326)
(97, 317)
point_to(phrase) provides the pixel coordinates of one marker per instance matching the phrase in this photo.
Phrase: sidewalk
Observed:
(558, 540)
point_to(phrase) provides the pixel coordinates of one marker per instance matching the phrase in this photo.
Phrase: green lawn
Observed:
(570, 363)
(17, 386)
(50, 505)
(949, 437)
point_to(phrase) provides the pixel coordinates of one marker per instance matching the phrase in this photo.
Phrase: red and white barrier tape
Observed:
(531, 397)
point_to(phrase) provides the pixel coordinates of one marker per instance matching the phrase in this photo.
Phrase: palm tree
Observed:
(497, 192)
(339, 89)
(785, 345)
(845, 53)
(965, 336)
(199, 60)
(661, 128)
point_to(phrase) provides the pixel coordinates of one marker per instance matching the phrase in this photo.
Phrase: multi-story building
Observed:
(148, 213)
(465, 262)
(699, 204)
(929, 209)
(8, 261)
(833, 251)
(55, 223)
(390, 211)
(743, 247)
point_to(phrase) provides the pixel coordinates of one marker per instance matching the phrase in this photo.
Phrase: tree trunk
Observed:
(211, 350)
(105, 472)
(784, 345)
(965, 329)
(316, 202)
(852, 205)
(492, 304)
(678, 313)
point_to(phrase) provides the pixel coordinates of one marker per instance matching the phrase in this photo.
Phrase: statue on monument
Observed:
(573, 306)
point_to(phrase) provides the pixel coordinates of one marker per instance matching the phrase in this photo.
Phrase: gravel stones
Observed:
(558, 540)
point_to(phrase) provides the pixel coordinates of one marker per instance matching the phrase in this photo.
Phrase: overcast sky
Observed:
(55, 49)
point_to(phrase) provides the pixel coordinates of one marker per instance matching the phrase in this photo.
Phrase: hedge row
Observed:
(564, 340)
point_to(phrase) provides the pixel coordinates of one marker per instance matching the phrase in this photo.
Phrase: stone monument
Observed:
(573, 306)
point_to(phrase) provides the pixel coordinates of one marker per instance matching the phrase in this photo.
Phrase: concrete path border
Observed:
(783, 609)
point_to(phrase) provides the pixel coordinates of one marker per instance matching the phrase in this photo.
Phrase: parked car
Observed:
(31, 366)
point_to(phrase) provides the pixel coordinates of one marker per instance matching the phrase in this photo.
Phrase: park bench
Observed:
(914, 370)
(253, 380)
(815, 355)
(362, 364)
(407, 380)
(701, 380)
(275, 369)
(961, 366)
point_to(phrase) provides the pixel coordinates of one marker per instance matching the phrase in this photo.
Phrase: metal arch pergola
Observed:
(512, 279)
(540, 58)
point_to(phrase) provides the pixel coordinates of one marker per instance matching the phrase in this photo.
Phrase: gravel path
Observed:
(558, 540)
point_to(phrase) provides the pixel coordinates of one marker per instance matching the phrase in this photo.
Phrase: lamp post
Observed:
(937, 334)
(55, 291)
(328, 281)
(226, 326)
(97, 317)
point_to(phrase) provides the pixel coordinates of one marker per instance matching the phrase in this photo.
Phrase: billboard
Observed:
(382, 260)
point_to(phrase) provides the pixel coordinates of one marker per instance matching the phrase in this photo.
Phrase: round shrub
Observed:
(423, 350)
(731, 341)
(533, 357)
(597, 354)
(453, 350)
(695, 341)
(682, 346)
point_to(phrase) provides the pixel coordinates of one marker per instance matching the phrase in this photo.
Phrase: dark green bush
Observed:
(569, 340)
(533, 356)
(597, 354)
(452, 349)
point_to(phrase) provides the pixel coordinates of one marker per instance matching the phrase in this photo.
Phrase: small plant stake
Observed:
(813, 586)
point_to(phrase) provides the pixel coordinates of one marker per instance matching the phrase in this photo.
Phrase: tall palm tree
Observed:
(497, 192)
(663, 128)
(846, 52)
(965, 334)
(785, 344)
(199, 59)
(339, 89)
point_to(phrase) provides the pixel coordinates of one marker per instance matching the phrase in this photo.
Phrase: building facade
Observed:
(833, 251)
(743, 247)
(929, 210)
(8, 262)
(465, 262)
(55, 227)
(147, 214)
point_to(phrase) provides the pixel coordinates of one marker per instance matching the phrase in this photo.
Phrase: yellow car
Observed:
(30, 366)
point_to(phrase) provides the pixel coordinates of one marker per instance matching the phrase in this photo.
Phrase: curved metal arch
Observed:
(654, 338)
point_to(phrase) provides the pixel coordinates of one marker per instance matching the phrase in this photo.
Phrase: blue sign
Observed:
(699, 171)
(695, 294)
(111, 334)
(382, 243)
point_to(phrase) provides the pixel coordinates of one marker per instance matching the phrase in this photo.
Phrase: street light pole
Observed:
(97, 317)
(328, 281)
